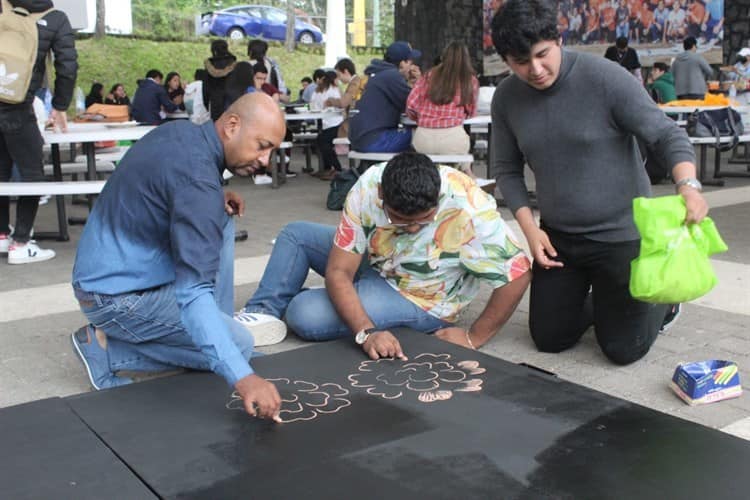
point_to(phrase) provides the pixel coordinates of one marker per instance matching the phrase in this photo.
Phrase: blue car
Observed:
(262, 22)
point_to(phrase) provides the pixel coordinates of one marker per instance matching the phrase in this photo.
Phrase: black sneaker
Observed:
(670, 318)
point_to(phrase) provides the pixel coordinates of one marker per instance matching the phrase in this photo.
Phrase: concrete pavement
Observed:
(38, 312)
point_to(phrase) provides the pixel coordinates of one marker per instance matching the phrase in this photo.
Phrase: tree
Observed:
(99, 29)
(290, 22)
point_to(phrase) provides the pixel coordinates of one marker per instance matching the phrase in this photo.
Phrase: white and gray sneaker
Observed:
(4, 243)
(20, 253)
(266, 329)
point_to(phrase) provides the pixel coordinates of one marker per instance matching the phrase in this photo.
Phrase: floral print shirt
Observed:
(439, 267)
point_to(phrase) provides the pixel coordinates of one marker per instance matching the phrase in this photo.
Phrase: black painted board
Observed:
(524, 434)
(46, 451)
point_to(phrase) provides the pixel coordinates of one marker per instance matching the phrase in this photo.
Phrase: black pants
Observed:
(327, 151)
(20, 143)
(560, 310)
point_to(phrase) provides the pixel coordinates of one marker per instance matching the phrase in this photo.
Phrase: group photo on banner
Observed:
(654, 28)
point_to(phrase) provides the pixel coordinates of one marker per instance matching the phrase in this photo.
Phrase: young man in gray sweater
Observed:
(574, 119)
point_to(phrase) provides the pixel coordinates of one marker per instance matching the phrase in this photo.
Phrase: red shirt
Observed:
(430, 115)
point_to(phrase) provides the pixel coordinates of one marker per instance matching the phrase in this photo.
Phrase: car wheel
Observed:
(236, 34)
(306, 37)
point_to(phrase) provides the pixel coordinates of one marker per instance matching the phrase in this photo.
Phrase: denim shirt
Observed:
(159, 220)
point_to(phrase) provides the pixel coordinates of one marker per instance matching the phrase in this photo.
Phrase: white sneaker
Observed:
(27, 253)
(484, 182)
(43, 200)
(263, 179)
(4, 243)
(266, 329)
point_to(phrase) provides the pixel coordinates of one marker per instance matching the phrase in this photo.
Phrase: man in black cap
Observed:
(374, 126)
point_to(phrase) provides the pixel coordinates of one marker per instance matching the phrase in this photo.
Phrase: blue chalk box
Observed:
(706, 381)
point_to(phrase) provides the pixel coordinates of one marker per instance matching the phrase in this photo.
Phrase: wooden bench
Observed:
(58, 189)
(80, 167)
(112, 156)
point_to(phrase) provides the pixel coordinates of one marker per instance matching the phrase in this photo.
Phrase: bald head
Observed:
(256, 108)
(249, 130)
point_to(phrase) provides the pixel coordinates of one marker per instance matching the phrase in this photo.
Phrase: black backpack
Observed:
(722, 122)
(341, 184)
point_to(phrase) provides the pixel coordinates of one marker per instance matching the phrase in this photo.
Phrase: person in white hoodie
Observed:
(691, 71)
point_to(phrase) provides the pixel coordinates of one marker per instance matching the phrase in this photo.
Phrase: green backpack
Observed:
(19, 41)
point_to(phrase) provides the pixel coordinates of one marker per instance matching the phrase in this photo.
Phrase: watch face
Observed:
(361, 337)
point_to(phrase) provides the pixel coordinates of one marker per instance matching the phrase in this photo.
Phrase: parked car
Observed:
(258, 21)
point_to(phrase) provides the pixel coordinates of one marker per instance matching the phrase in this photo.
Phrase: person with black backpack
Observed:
(20, 139)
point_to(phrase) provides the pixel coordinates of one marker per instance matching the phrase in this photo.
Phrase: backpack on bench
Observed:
(722, 122)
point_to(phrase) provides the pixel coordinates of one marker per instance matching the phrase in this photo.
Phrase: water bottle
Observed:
(48, 101)
(80, 102)
(732, 91)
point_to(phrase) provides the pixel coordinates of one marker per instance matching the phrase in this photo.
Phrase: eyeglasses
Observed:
(401, 225)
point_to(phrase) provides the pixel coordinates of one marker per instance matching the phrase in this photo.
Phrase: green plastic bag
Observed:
(673, 264)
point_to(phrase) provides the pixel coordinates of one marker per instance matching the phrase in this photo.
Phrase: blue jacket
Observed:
(148, 101)
(381, 104)
(160, 220)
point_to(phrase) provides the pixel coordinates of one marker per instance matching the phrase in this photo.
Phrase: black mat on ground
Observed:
(450, 423)
(47, 452)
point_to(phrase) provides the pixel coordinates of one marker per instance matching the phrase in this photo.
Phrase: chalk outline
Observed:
(446, 372)
(308, 388)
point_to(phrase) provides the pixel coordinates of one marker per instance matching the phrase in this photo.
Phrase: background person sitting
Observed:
(346, 73)
(325, 89)
(256, 52)
(150, 98)
(661, 87)
(96, 95)
(375, 126)
(117, 96)
(174, 88)
(441, 101)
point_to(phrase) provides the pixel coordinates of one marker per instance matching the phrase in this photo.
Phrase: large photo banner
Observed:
(654, 28)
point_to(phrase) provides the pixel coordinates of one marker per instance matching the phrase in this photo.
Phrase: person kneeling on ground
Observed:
(412, 246)
(155, 276)
(586, 176)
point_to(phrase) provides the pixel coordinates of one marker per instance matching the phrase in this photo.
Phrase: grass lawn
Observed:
(125, 60)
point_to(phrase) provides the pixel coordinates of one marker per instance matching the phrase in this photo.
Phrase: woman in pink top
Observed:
(440, 102)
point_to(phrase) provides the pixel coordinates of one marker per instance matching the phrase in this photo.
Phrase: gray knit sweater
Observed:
(578, 137)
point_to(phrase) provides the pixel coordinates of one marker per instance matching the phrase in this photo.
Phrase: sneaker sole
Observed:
(83, 360)
(267, 334)
(29, 260)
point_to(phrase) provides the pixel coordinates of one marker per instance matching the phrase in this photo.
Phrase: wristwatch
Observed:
(690, 182)
(361, 336)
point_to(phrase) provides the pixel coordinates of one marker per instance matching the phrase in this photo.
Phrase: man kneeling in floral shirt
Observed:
(414, 241)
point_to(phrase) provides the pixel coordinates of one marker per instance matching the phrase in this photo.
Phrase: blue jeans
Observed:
(144, 330)
(394, 140)
(302, 246)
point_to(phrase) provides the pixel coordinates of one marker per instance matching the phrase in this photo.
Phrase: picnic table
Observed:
(87, 134)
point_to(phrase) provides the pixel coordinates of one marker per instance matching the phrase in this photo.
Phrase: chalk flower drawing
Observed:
(433, 376)
(302, 400)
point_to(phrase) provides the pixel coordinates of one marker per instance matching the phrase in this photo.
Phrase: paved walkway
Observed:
(38, 312)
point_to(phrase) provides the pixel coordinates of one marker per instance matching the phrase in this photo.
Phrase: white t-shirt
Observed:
(317, 101)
